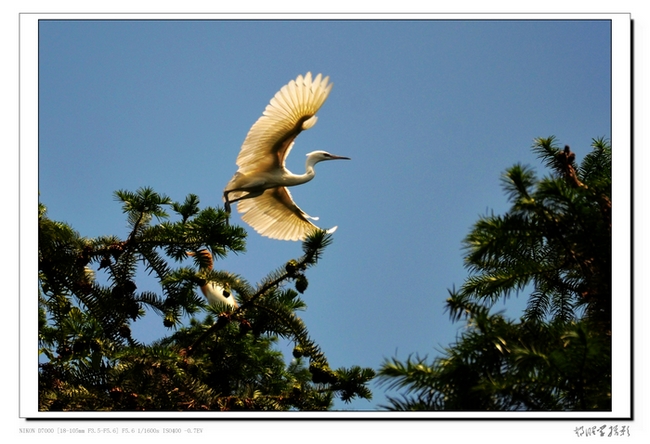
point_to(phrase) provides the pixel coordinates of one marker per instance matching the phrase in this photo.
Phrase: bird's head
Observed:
(319, 156)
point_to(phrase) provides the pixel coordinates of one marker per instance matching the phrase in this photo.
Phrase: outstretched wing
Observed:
(291, 111)
(274, 214)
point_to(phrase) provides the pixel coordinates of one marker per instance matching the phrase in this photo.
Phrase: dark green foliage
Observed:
(555, 243)
(227, 361)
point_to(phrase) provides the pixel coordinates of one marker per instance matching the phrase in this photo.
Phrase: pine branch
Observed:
(312, 246)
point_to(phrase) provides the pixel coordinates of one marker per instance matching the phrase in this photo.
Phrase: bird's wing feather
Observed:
(274, 214)
(290, 111)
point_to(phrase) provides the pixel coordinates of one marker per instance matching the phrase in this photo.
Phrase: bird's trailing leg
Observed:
(226, 206)
(248, 195)
(226, 202)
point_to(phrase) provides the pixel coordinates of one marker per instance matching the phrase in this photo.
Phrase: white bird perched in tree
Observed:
(260, 184)
(212, 291)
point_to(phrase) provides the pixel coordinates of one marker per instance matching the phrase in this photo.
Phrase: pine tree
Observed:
(555, 243)
(223, 359)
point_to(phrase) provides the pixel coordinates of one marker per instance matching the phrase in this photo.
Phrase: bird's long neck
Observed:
(310, 172)
(297, 179)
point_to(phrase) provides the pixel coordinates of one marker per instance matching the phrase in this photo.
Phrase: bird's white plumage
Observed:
(213, 291)
(259, 185)
(274, 214)
(217, 294)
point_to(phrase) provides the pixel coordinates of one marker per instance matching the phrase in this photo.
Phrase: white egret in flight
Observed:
(260, 184)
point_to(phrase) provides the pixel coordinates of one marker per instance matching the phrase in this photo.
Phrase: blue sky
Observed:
(431, 113)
